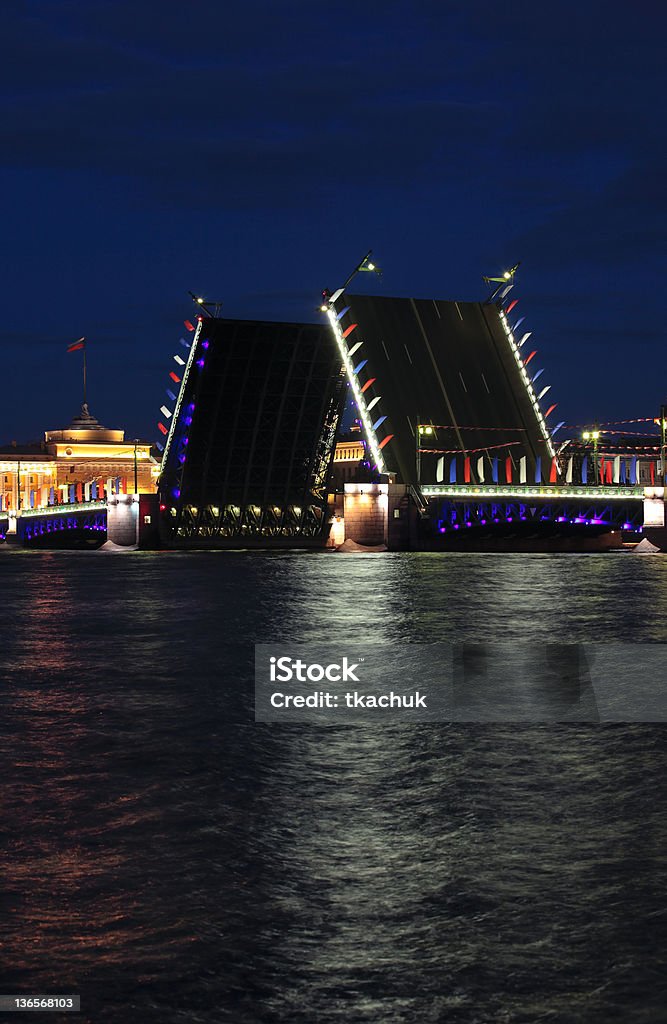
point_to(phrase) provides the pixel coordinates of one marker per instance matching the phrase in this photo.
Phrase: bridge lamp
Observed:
(366, 264)
(594, 436)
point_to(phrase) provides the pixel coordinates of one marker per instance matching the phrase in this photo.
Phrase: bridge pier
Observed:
(132, 520)
(655, 529)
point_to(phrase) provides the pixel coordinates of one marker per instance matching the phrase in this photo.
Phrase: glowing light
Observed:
(358, 392)
(529, 389)
(183, 383)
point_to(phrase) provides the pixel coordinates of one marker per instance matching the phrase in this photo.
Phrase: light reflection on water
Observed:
(173, 861)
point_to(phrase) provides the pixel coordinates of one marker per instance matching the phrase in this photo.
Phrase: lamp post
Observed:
(423, 429)
(594, 436)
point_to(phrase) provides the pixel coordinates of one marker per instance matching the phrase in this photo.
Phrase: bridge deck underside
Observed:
(444, 363)
(253, 445)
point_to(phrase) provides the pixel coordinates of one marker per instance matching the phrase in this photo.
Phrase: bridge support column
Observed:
(365, 513)
(123, 519)
(654, 506)
(655, 528)
(132, 519)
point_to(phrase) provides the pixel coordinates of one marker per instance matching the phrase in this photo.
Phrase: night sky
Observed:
(254, 152)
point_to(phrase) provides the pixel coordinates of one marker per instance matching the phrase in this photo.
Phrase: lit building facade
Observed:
(80, 462)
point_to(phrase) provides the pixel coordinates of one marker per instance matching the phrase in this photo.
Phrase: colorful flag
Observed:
(76, 345)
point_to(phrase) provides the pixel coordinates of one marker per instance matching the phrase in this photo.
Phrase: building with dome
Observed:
(73, 464)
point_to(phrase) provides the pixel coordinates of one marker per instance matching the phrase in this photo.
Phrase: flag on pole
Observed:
(76, 345)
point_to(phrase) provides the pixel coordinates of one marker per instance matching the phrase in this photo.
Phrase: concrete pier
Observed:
(132, 520)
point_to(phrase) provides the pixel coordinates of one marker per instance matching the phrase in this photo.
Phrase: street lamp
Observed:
(594, 436)
(423, 430)
(365, 265)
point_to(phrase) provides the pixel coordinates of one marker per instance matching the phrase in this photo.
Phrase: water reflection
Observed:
(173, 861)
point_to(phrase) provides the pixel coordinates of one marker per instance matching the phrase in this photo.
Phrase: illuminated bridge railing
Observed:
(533, 491)
(66, 509)
(86, 520)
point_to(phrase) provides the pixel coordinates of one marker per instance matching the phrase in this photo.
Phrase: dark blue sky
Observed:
(254, 152)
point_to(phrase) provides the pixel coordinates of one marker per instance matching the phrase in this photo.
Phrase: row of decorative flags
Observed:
(70, 494)
(175, 376)
(615, 470)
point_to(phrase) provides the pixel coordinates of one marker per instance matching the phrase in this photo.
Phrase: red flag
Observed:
(553, 472)
(189, 326)
(466, 470)
(511, 306)
(508, 469)
(76, 345)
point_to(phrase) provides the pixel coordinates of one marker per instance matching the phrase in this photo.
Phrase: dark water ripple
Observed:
(172, 861)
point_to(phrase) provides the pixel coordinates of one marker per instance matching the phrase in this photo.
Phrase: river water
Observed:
(171, 860)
